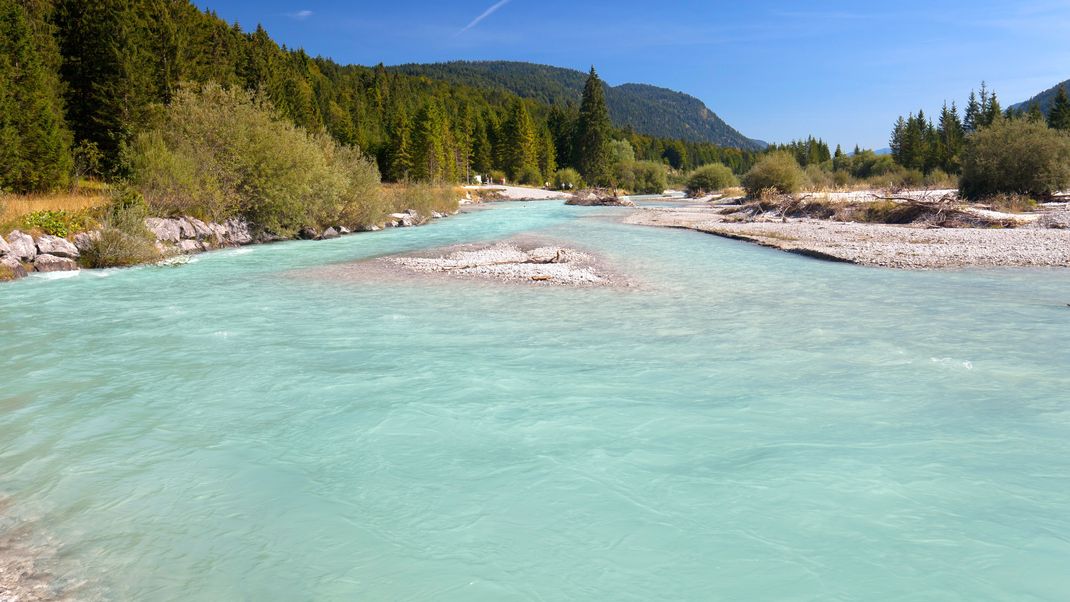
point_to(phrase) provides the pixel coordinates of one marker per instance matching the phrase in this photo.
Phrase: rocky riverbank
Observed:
(910, 246)
(22, 253)
(524, 261)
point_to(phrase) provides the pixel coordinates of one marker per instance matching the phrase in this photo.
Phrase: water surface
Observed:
(747, 425)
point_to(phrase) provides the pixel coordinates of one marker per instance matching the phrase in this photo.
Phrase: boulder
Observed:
(189, 246)
(373, 228)
(10, 268)
(219, 233)
(4, 247)
(308, 233)
(330, 233)
(237, 231)
(598, 198)
(343, 230)
(52, 263)
(201, 231)
(21, 246)
(165, 230)
(54, 245)
(402, 220)
(82, 240)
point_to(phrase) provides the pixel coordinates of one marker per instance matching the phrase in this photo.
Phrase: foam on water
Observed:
(745, 425)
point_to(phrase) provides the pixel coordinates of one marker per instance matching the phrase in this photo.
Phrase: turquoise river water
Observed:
(745, 425)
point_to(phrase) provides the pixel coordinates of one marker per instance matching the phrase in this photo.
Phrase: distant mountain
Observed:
(1044, 99)
(646, 109)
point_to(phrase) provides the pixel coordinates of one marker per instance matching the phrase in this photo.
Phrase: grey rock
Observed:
(343, 230)
(238, 232)
(308, 233)
(22, 247)
(52, 263)
(166, 230)
(219, 233)
(186, 231)
(402, 220)
(330, 233)
(54, 245)
(4, 247)
(373, 228)
(13, 265)
(189, 246)
(200, 229)
(83, 240)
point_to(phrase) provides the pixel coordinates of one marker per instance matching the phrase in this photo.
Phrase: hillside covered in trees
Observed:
(648, 110)
(79, 80)
(1044, 100)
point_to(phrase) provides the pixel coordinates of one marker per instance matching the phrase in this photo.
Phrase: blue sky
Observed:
(775, 70)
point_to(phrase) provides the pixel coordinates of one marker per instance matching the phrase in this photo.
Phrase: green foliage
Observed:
(1015, 156)
(811, 151)
(424, 198)
(621, 151)
(521, 145)
(641, 177)
(122, 240)
(710, 178)
(592, 133)
(34, 138)
(778, 170)
(651, 111)
(568, 179)
(1059, 116)
(219, 153)
(60, 223)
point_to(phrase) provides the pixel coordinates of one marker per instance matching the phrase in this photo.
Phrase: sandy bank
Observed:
(894, 246)
(521, 193)
(521, 260)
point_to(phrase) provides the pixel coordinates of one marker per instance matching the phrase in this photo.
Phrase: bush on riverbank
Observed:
(776, 171)
(122, 239)
(1015, 156)
(217, 153)
(709, 179)
(421, 197)
(641, 177)
(567, 178)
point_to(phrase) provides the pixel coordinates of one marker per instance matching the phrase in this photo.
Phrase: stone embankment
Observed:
(22, 253)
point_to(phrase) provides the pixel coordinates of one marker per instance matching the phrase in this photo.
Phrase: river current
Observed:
(744, 424)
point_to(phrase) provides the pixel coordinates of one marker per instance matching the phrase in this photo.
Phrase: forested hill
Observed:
(648, 110)
(1044, 100)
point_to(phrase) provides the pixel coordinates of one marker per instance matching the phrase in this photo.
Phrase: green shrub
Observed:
(568, 179)
(818, 179)
(1015, 156)
(778, 170)
(1011, 203)
(710, 178)
(423, 198)
(641, 177)
(122, 239)
(60, 222)
(496, 176)
(219, 153)
(529, 176)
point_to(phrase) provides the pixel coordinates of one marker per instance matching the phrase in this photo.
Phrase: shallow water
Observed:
(747, 425)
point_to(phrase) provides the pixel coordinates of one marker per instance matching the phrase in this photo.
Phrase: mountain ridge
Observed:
(1044, 99)
(645, 108)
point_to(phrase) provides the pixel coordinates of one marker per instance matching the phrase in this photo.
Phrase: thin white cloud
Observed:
(300, 15)
(490, 11)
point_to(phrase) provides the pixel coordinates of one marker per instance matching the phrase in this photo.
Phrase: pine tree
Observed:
(547, 154)
(839, 152)
(430, 152)
(994, 111)
(973, 113)
(400, 163)
(482, 151)
(951, 139)
(521, 145)
(1059, 116)
(35, 144)
(593, 132)
(1034, 113)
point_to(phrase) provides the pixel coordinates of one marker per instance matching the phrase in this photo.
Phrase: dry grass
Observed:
(15, 206)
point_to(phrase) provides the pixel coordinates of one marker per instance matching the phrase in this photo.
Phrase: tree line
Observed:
(81, 78)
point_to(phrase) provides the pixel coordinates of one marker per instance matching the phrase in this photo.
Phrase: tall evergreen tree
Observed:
(547, 154)
(973, 113)
(1034, 113)
(1059, 116)
(399, 161)
(34, 140)
(521, 144)
(593, 132)
(431, 156)
(482, 151)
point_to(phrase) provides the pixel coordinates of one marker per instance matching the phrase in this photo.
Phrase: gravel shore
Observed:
(522, 260)
(893, 246)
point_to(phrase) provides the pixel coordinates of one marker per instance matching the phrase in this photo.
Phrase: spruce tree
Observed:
(547, 154)
(399, 161)
(430, 153)
(1035, 114)
(973, 113)
(592, 133)
(1059, 116)
(482, 151)
(521, 144)
(35, 144)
